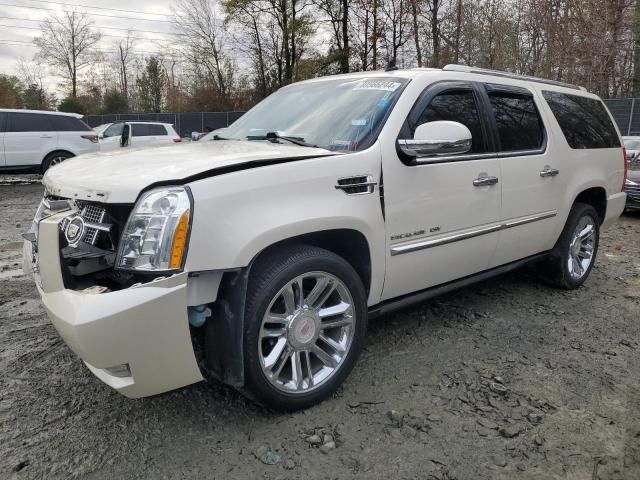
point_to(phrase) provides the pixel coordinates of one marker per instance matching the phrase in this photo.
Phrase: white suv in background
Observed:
(34, 140)
(137, 134)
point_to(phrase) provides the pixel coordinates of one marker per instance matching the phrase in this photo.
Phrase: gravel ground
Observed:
(506, 379)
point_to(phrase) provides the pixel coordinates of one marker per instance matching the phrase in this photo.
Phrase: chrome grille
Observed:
(633, 191)
(90, 214)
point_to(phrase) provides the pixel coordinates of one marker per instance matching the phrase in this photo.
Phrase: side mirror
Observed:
(101, 136)
(442, 137)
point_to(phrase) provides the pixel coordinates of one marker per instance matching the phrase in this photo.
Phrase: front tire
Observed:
(574, 254)
(305, 326)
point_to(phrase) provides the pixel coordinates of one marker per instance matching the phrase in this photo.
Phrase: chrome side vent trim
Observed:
(358, 185)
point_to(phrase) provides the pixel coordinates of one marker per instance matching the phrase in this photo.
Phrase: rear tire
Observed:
(574, 254)
(54, 159)
(305, 326)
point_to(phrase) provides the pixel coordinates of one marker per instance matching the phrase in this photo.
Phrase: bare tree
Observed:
(124, 53)
(200, 24)
(336, 14)
(65, 44)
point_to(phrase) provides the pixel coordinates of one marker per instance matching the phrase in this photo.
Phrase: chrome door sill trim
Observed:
(423, 244)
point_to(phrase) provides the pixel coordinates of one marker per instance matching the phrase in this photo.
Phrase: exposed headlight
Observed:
(155, 236)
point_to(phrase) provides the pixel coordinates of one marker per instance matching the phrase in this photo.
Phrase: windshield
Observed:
(341, 115)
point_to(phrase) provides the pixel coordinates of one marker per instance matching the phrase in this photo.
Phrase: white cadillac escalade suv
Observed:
(256, 255)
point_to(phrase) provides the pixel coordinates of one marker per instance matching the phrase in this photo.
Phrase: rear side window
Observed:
(518, 122)
(457, 106)
(584, 121)
(29, 122)
(3, 121)
(63, 123)
(148, 129)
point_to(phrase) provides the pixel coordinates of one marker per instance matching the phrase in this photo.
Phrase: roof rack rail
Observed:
(499, 73)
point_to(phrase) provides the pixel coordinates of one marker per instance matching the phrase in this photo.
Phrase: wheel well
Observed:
(597, 198)
(349, 244)
(52, 153)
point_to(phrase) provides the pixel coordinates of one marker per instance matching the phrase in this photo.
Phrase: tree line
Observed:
(228, 55)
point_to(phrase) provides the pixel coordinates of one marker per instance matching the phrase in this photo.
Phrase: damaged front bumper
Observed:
(136, 340)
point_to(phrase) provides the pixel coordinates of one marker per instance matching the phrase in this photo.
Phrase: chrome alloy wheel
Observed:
(581, 247)
(306, 332)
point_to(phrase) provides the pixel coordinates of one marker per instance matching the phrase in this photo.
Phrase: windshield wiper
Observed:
(276, 136)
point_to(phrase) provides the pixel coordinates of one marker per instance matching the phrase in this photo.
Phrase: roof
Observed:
(48, 112)
(464, 72)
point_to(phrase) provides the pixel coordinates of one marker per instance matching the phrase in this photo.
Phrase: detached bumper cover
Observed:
(145, 326)
(615, 207)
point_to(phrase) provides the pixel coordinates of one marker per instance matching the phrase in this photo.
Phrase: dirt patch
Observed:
(506, 379)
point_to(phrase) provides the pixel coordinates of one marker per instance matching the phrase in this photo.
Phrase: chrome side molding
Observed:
(456, 237)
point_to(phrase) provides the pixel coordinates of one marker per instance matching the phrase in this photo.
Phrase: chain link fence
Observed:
(184, 122)
(626, 112)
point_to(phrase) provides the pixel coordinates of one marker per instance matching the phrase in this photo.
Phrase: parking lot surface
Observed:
(506, 379)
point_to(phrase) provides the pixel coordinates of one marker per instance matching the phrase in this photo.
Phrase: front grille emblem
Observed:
(74, 231)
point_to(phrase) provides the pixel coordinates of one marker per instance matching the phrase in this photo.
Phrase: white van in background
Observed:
(137, 134)
(34, 140)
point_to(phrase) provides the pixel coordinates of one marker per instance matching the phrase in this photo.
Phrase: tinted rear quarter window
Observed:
(147, 129)
(29, 122)
(585, 122)
(3, 121)
(63, 123)
(517, 120)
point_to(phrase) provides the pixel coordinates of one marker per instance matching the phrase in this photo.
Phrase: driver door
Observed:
(112, 137)
(441, 225)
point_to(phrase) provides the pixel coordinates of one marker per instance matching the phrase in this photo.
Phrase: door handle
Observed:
(547, 171)
(46, 136)
(484, 180)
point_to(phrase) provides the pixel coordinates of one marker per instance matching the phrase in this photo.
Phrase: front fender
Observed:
(239, 214)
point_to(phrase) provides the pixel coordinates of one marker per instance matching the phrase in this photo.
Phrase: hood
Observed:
(119, 176)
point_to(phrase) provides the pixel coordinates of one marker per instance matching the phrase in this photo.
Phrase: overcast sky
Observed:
(20, 23)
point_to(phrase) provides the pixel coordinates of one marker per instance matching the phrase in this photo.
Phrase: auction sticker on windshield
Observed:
(384, 85)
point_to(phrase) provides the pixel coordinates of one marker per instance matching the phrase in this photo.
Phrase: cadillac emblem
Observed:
(74, 231)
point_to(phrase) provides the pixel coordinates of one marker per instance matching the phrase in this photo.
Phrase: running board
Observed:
(397, 303)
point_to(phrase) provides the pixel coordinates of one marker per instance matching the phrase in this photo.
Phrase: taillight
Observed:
(626, 166)
(177, 140)
(91, 138)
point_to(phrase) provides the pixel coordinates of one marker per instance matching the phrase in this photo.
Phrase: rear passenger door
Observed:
(28, 139)
(146, 134)
(533, 177)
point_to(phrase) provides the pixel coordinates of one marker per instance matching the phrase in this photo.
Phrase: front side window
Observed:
(517, 120)
(584, 121)
(29, 122)
(114, 130)
(457, 106)
(342, 115)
